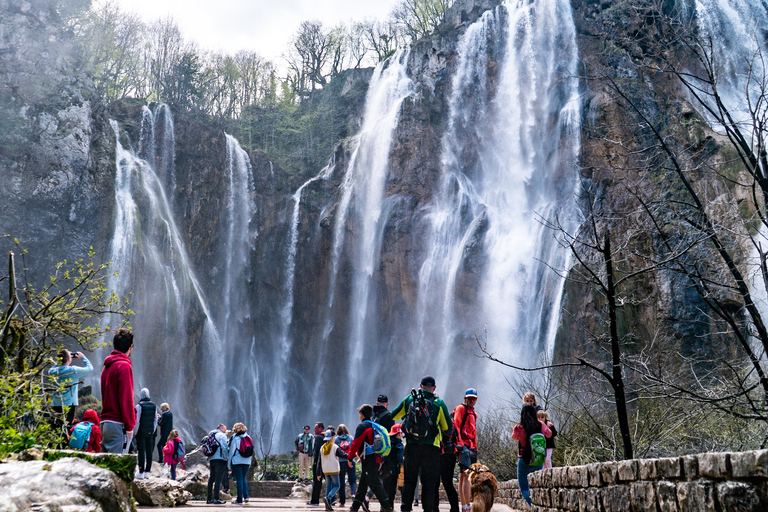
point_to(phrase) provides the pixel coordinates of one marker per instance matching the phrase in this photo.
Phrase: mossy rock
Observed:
(124, 466)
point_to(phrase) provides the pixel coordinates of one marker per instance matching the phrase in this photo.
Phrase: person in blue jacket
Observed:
(239, 464)
(67, 377)
(218, 461)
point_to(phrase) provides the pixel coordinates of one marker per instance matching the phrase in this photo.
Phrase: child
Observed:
(170, 451)
(94, 442)
(329, 463)
(529, 425)
(544, 418)
(369, 475)
(530, 398)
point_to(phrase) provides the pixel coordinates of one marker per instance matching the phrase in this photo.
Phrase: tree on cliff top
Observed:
(34, 326)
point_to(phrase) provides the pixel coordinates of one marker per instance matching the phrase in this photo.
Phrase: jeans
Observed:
(447, 466)
(173, 471)
(331, 486)
(218, 473)
(239, 471)
(421, 460)
(145, 446)
(351, 477)
(369, 477)
(523, 470)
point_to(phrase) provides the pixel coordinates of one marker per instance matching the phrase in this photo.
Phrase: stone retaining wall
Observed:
(707, 482)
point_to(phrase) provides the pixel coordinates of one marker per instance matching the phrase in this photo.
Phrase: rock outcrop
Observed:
(67, 484)
(160, 492)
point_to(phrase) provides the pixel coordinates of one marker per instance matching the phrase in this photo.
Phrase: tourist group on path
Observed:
(426, 444)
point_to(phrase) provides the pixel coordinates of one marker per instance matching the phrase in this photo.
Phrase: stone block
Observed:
(578, 476)
(616, 498)
(627, 471)
(714, 465)
(540, 496)
(559, 477)
(571, 500)
(750, 464)
(696, 496)
(594, 474)
(646, 469)
(669, 468)
(666, 495)
(739, 497)
(608, 472)
(539, 478)
(643, 497)
(690, 467)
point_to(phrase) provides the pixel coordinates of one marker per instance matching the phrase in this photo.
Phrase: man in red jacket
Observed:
(118, 415)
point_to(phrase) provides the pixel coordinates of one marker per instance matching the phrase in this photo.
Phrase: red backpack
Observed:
(344, 446)
(246, 446)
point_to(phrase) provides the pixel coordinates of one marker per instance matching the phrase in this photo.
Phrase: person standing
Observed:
(344, 440)
(165, 423)
(329, 462)
(394, 460)
(422, 453)
(465, 423)
(170, 450)
(369, 471)
(240, 462)
(529, 425)
(144, 432)
(218, 463)
(118, 417)
(304, 447)
(66, 376)
(447, 467)
(381, 414)
(317, 444)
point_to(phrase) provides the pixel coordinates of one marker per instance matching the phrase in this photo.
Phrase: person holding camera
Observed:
(67, 377)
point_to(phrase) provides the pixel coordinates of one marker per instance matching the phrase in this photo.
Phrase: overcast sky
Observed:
(264, 26)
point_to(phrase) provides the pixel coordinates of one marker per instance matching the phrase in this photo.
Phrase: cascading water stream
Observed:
(151, 262)
(364, 186)
(523, 168)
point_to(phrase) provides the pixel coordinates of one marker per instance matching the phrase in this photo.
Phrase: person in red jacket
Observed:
(118, 416)
(369, 474)
(465, 423)
(94, 442)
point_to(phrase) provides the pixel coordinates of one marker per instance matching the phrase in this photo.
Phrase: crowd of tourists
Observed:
(418, 441)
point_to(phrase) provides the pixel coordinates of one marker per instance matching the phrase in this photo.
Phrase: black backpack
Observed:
(419, 422)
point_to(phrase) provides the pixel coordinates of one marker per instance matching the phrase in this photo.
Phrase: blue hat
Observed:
(471, 392)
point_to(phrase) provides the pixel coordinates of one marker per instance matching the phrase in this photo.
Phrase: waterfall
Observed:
(521, 169)
(151, 263)
(362, 199)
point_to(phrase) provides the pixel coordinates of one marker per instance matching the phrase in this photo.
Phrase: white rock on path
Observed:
(67, 485)
(159, 492)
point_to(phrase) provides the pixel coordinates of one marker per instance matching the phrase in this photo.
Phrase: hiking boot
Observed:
(364, 506)
(217, 502)
(327, 504)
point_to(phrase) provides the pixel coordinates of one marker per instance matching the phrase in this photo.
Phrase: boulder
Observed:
(66, 484)
(160, 492)
(196, 458)
(195, 481)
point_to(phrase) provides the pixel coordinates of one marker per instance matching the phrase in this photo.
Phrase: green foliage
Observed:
(279, 467)
(124, 466)
(35, 325)
(495, 447)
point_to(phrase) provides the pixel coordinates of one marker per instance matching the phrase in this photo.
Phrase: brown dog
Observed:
(484, 488)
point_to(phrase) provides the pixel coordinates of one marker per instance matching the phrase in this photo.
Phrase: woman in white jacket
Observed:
(239, 459)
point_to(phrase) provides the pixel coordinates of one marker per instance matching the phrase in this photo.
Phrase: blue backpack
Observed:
(179, 452)
(81, 435)
(381, 444)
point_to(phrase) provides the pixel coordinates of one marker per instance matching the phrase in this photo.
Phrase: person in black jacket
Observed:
(144, 433)
(381, 414)
(165, 424)
(317, 445)
(370, 463)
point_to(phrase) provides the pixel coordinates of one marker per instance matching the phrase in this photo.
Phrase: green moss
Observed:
(123, 466)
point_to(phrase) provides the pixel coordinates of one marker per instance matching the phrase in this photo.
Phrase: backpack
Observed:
(246, 446)
(535, 451)
(419, 422)
(179, 452)
(381, 444)
(209, 444)
(81, 435)
(344, 446)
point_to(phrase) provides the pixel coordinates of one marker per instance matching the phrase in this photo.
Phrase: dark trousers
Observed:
(160, 446)
(317, 485)
(218, 472)
(173, 471)
(447, 466)
(421, 460)
(369, 477)
(145, 446)
(390, 483)
(351, 476)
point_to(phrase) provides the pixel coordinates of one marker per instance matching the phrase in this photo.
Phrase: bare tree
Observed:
(420, 18)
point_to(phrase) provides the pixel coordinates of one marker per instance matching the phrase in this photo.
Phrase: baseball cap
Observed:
(328, 435)
(396, 429)
(382, 399)
(471, 392)
(428, 381)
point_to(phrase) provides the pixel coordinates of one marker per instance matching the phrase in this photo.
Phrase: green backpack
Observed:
(538, 449)
(381, 444)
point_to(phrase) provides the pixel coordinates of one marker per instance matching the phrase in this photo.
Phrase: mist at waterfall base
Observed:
(507, 156)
